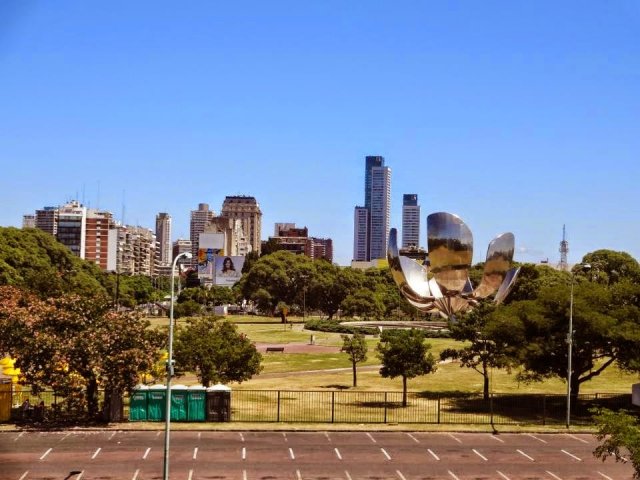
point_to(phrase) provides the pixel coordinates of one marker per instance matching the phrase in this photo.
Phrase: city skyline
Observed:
(515, 117)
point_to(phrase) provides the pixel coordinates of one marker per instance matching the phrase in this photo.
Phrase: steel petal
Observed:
(499, 256)
(507, 284)
(450, 245)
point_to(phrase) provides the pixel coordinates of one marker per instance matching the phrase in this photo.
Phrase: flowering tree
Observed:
(75, 345)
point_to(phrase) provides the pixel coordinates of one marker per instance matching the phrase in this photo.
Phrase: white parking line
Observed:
(241, 437)
(96, 453)
(244, 453)
(144, 457)
(244, 475)
(135, 475)
(195, 453)
(479, 454)
(326, 434)
(199, 435)
(502, 475)
(293, 457)
(413, 438)
(553, 475)
(539, 439)
(454, 437)
(525, 455)
(22, 433)
(24, 475)
(576, 438)
(80, 475)
(400, 475)
(386, 454)
(66, 436)
(571, 455)
(346, 473)
(284, 434)
(453, 475)
(604, 476)
(371, 437)
(338, 453)
(433, 454)
(112, 435)
(45, 454)
(158, 434)
(495, 437)
(190, 474)
(298, 475)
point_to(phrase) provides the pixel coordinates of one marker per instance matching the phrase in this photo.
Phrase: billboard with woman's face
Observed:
(228, 270)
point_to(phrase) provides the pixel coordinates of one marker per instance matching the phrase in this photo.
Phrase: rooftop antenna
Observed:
(564, 251)
(123, 208)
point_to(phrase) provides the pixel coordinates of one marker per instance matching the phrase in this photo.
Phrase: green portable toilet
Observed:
(179, 403)
(156, 403)
(138, 404)
(219, 403)
(196, 403)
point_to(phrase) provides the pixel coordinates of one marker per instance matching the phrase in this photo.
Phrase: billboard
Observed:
(209, 245)
(228, 269)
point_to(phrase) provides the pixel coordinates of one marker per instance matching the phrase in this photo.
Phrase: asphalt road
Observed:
(131, 455)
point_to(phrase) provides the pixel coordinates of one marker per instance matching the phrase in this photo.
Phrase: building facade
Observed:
(410, 220)
(377, 203)
(361, 234)
(29, 221)
(199, 220)
(247, 210)
(98, 224)
(163, 237)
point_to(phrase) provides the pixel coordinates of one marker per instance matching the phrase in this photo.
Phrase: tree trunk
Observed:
(485, 389)
(355, 379)
(404, 391)
(92, 397)
(113, 408)
(485, 374)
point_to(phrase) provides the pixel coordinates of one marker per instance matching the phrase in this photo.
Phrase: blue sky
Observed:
(519, 116)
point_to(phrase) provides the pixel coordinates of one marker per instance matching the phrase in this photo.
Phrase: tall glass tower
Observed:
(372, 222)
(410, 220)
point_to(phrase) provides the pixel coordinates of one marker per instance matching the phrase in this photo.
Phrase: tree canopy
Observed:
(34, 260)
(405, 354)
(215, 351)
(75, 345)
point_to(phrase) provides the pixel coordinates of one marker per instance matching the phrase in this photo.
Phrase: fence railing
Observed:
(386, 407)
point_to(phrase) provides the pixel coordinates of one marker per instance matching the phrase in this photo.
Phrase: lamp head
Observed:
(187, 255)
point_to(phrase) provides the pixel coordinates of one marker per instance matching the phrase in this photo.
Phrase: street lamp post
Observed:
(584, 266)
(165, 475)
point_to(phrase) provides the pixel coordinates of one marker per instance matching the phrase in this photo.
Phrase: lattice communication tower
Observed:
(564, 252)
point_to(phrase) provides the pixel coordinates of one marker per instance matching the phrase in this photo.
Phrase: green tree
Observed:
(278, 277)
(356, 347)
(405, 354)
(76, 345)
(34, 260)
(605, 333)
(216, 352)
(364, 304)
(481, 349)
(619, 434)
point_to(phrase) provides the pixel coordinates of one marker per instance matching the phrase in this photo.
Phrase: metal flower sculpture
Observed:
(445, 287)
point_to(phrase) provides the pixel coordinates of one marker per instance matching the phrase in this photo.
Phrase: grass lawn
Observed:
(304, 371)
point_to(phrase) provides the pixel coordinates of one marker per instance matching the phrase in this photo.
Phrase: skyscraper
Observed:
(410, 220)
(246, 209)
(163, 237)
(199, 219)
(371, 237)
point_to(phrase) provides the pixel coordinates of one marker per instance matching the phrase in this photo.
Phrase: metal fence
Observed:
(386, 407)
